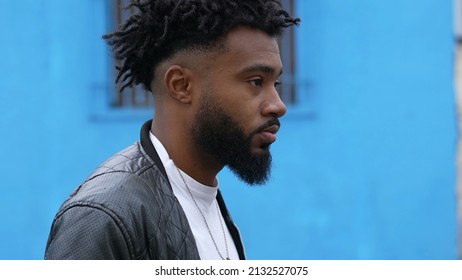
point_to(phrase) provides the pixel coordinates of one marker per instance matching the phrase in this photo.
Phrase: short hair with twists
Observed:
(161, 28)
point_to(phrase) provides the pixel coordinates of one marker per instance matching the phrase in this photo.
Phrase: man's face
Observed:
(237, 119)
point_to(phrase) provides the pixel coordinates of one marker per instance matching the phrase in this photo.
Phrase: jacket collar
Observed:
(148, 147)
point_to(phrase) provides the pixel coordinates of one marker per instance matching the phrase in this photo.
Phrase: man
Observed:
(213, 67)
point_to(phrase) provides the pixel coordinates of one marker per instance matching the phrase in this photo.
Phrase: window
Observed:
(129, 97)
(140, 98)
(288, 55)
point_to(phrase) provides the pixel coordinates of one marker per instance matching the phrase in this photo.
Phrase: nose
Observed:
(274, 106)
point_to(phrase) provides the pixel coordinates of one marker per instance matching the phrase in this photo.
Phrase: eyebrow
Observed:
(260, 68)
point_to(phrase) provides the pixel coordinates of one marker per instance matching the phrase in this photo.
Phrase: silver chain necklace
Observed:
(205, 220)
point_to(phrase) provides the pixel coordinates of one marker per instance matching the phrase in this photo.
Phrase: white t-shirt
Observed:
(205, 197)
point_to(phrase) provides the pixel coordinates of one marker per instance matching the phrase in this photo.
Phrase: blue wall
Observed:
(364, 165)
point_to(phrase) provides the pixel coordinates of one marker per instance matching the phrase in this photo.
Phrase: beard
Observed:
(221, 136)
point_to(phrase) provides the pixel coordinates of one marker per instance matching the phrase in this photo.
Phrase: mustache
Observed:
(274, 121)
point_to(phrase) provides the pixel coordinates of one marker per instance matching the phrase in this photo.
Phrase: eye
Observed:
(258, 82)
(277, 85)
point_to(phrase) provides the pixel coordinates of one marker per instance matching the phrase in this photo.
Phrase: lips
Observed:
(269, 133)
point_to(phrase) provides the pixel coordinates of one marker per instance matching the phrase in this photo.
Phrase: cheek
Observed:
(248, 117)
(249, 126)
(240, 103)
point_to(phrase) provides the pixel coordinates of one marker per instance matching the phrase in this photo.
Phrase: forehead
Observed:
(246, 47)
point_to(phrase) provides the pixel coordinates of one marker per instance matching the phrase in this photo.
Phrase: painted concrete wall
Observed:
(364, 165)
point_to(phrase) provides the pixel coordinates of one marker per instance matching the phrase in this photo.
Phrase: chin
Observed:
(263, 148)
(261, 152)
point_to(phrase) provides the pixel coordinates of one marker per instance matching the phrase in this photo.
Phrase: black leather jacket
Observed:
(127, 210)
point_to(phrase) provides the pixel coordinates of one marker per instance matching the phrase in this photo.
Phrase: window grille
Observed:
(133, 96)
(288, 89)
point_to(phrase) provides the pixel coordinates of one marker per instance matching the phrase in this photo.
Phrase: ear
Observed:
(178, 82)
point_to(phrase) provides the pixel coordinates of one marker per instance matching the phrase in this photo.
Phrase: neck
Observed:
(186, 154)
